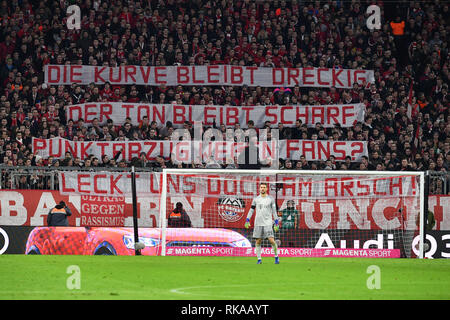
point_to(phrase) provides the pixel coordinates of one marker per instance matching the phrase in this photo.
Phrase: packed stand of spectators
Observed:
(253, 33)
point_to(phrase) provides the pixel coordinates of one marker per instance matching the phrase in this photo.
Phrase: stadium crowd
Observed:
(199, 32)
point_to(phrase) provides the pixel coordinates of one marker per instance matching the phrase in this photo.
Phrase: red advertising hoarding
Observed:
(30, 208)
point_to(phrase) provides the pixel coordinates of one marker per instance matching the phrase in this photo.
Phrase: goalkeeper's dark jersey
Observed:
(288, 218)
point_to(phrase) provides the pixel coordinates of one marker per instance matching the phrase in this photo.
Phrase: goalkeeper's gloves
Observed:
(276, 227)
(247, 223)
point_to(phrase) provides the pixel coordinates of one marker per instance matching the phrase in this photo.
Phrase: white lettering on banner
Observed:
(46, 203)
(148, 213)
(212, 75)
(311, 220)
(12, 208)
(358, 216)
(328, 115)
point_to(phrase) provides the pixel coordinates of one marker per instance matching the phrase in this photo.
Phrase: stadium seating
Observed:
(248, 33)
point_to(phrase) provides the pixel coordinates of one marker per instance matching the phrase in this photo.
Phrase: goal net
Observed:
(321, 213)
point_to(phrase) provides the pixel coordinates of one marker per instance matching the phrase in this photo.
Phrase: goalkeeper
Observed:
(265, 214)
(289, 223)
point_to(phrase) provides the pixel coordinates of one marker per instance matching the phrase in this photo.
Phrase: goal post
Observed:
(322, 212)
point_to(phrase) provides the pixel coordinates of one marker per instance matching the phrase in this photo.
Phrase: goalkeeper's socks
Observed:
(258, 251)
(275, 249)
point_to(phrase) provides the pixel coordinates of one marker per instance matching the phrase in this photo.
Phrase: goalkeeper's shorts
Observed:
(263, 232)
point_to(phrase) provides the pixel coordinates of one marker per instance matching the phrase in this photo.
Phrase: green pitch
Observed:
(219, 278)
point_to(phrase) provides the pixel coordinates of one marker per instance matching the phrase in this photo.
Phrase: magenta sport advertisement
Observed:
(202, 242)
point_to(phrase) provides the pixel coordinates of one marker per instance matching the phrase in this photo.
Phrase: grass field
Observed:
(220, 278)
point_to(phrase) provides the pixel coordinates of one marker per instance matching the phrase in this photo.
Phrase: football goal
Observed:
(320, 213)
